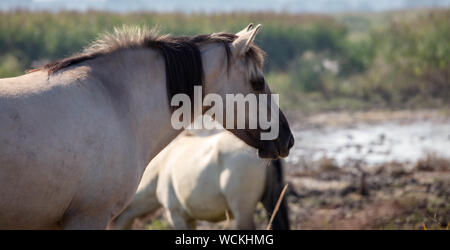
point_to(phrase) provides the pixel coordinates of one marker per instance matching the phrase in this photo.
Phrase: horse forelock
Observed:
(181, 54)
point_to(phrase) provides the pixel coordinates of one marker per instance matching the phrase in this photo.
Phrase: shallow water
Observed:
(372, 144)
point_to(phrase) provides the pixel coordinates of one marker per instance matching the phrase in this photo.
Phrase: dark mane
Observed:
(182, 57)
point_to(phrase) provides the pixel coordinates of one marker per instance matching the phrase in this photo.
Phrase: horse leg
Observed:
(243, 209)
(140, 205)
(180, 222)
(244, 219)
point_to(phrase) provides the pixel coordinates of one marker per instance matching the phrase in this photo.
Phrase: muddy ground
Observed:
(380, 170)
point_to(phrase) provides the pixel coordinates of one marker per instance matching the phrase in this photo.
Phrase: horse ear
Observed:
(245, 29)
(243, 42)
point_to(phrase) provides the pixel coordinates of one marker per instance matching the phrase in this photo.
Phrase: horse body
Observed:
(51, 168)
(203, 182)
(224, 174)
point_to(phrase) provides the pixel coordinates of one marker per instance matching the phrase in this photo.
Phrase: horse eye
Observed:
(257, 84)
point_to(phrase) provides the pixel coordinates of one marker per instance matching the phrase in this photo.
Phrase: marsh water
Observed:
(373, 143)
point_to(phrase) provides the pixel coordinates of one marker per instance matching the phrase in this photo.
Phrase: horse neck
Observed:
(141, 77)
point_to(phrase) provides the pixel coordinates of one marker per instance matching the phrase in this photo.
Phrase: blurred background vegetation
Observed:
(394, 59)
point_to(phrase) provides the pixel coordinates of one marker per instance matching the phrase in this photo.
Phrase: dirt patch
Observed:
(391, 196)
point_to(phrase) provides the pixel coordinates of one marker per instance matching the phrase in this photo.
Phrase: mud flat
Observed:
(371, 138)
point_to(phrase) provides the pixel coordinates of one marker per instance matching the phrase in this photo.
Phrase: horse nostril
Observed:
(291, 142)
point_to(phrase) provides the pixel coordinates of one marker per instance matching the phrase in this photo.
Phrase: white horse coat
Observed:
(201, 177)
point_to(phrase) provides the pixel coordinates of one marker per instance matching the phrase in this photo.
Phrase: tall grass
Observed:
(43, 35)
(315, 62)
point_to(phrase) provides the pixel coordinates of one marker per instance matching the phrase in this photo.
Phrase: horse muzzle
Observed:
(275, 149)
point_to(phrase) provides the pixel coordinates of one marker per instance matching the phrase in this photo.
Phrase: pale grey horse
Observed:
(77, 134)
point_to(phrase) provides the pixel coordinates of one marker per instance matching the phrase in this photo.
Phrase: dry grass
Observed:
(433, 162)
(277, 206)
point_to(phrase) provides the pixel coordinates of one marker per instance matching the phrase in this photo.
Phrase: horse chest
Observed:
(208, 208)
